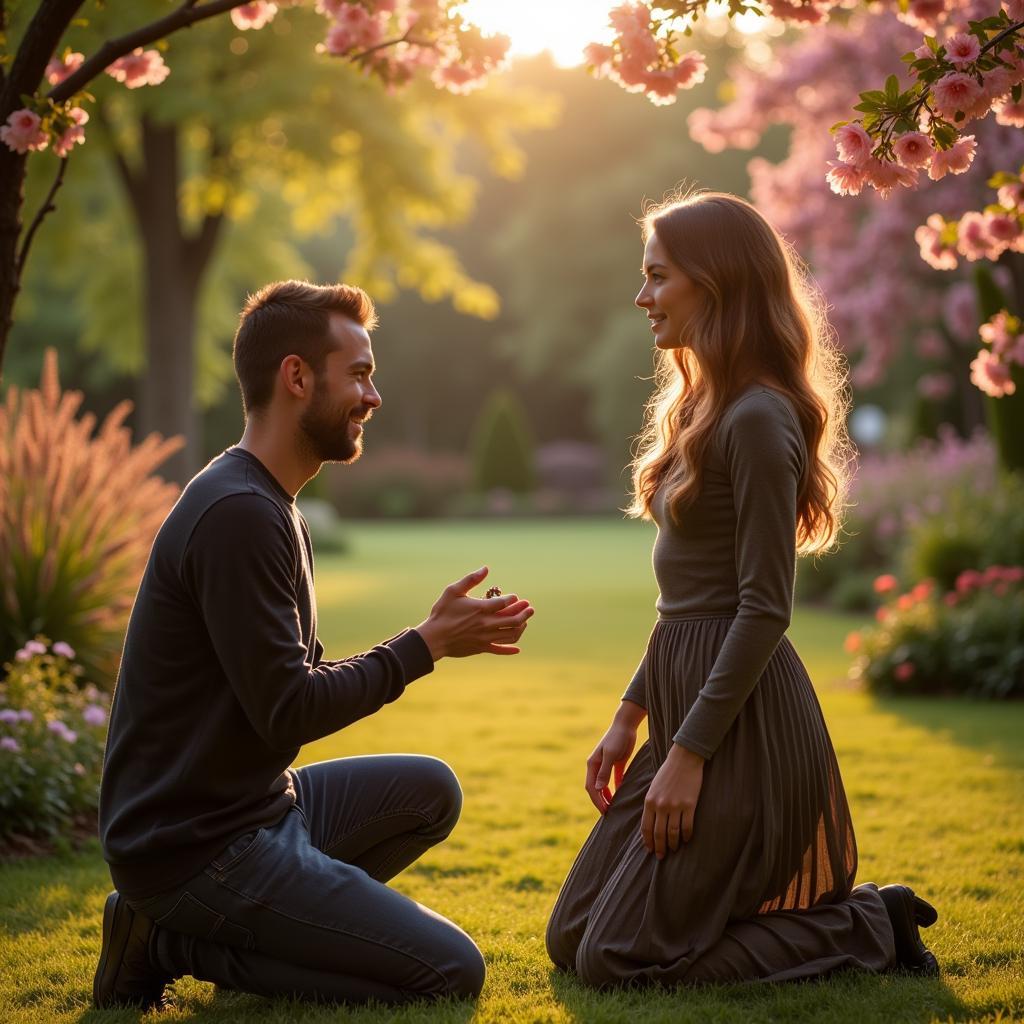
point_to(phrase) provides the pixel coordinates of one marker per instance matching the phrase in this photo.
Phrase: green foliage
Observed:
(287, 146)
(78, 514)
(968, 640)
(502, 447)
(51, 742)
(974, 529)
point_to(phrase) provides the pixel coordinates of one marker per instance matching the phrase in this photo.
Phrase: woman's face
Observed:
(668, 296)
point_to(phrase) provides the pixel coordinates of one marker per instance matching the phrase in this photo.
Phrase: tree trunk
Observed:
(12, 196)
(174, 263)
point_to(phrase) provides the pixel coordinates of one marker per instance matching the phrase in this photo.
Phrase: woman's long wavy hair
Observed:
(761, 318)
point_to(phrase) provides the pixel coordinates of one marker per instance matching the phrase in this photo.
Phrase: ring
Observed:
(494, 592)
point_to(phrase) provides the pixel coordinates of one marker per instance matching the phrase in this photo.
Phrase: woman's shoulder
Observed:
(759, 420)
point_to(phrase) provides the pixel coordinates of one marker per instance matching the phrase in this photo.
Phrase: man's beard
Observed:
(325, 431)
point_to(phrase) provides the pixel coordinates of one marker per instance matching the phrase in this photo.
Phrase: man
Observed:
(229, 866)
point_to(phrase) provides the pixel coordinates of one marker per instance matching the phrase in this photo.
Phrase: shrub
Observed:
(890, 496)
(78, 514)
(977, 528)
(397, 482)
(967, 640)
(325, 530)
(502, 449)
(52, 732)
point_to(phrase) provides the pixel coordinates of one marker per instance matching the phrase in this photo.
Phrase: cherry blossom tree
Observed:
(44, 101)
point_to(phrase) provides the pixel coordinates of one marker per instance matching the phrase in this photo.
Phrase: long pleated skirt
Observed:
(764, 890)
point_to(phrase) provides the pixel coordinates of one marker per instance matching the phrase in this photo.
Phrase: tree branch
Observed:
(41, 37)
(47, 207)
(188, 14)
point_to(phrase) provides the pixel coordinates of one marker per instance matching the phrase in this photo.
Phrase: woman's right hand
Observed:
(611, 754)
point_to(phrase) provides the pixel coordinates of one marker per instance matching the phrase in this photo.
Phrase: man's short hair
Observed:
(290, 318)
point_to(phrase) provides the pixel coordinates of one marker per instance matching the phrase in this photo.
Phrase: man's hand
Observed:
(671, 801)
(459, 625)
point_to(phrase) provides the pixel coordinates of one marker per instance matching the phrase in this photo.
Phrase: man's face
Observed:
(343, 396)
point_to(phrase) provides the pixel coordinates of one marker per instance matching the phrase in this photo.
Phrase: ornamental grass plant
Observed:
(79, 508)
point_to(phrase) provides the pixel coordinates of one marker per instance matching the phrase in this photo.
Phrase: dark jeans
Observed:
(301, 908)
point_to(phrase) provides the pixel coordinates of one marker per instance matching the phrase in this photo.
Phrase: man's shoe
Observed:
(907, 912)
(125, 976)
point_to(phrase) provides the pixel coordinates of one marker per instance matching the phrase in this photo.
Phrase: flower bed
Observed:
(52, 732)
(967, 640)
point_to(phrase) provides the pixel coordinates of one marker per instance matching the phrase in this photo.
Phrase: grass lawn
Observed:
(937, 790)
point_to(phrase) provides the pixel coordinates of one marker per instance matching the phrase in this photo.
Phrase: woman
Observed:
(726, 852)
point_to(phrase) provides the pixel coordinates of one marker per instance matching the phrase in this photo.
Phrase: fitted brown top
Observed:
(733, 553)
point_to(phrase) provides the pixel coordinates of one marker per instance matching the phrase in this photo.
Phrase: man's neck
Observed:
(273, 447)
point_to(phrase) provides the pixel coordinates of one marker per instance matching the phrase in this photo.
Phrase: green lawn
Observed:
(937, 790)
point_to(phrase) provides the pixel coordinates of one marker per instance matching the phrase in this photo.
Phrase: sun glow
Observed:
(564, 27)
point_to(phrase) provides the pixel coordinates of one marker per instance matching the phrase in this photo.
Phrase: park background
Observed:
(498, 231)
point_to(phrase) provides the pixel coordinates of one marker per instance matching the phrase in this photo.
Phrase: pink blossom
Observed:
(933, 250)
(999, 332)
(925, 14)
(63, 649)
(253, 15)
(1012, 195)
(94, 714)
(24, 132)
(924, 52)
(991, 375)
(954, 160)
(914, 149)
(9, 715)
(73, 135)
(853, 144)
(845, 179)
(1010, 113)
(599, 56)
(960, 310)
(997, 84)
(55, 725)
(955, 91)
(1015, 9)
(884, 176)
(10, 743)
(806, 13)
(974, 240)
(935, 386)
(690, 70)
(885, 584)
(139, 68)
(962, 49)
(63, 67)
(904, 671)
(339, 40)
(456, 78)
(1003, 227)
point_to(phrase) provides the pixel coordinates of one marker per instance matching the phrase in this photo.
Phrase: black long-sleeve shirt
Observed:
(222, 679)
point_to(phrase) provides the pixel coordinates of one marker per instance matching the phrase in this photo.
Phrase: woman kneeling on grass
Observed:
(727, 852)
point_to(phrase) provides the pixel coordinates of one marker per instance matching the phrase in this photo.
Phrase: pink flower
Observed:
(9, 715)
(1010, 113)
(690, 70)
(914, 149)
(974, 240)
(254, 15)
(924, 52)
(904, 671)
(1015, 9)
(23, 132)
(954, 160)
(884, 176)
(1012, 196)
(999, 332)
(63, 649)
(63, 67)
(94, 714)
(925, 14)
(968, 580)
(853, 144)
(139, 68)
(845, 179)
(935, 386)
(339, 40)
(991, 376)
(599, 56)
(11, 744)
(933, 250)
(73, 135)
(885, 584)
(955, 91)
(962, 49)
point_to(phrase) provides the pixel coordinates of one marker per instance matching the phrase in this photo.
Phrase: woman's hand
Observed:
(611, 754)
(671, 801)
